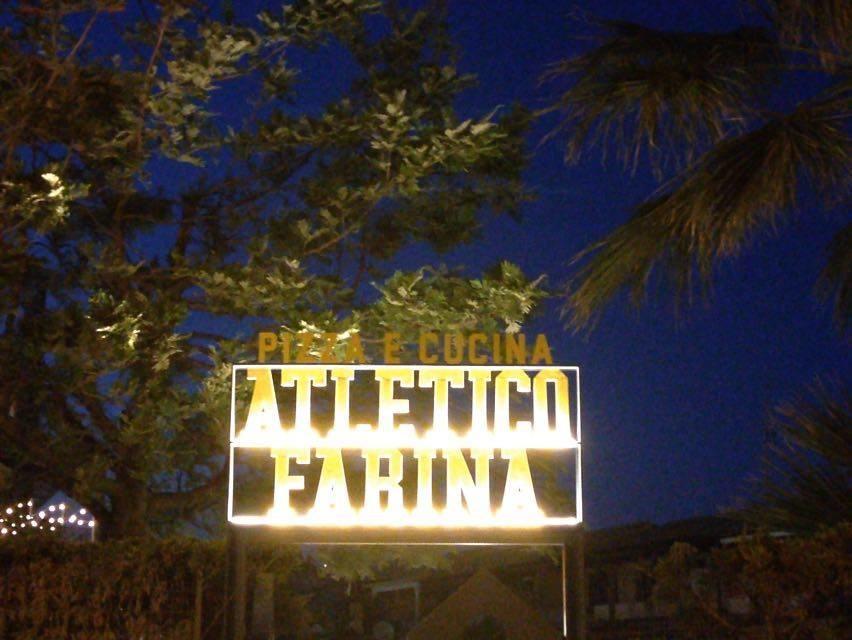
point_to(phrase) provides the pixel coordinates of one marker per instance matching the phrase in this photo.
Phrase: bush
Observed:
(789, 587)
(122, 590)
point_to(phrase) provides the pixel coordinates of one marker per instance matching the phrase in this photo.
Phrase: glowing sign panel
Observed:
(337, 451)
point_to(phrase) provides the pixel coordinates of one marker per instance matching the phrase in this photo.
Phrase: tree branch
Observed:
(193, 498)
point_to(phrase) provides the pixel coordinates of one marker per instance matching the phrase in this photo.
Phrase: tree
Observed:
(168, 188)
(695, 106)
(806, 482)
(759, 587)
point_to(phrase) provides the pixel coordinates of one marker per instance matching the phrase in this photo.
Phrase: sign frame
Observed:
(552, 532)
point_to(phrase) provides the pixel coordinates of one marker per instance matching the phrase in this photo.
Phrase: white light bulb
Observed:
(91, 523)
(62, 506)
(72, 519)
(4, 531)
(20, 505)
(82, 512)
(9, 510)
(51, 508)
(53, 528)
(41, 514)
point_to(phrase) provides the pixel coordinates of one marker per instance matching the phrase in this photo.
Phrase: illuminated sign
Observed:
(356, 452)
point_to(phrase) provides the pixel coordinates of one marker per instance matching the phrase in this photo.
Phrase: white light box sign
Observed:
(397, 453)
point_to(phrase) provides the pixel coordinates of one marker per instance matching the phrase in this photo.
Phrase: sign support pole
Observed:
(236, 576)
(257, 426)
(565, 614)
(574, 586)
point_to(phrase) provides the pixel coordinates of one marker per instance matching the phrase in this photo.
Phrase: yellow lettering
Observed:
(460, 483)
(263, 411)
(501, 399)
(472, 354)
(519, 495)
(391, 343)
(342, 377)
(332, 493)
(496, 349)
(453, 348)
(516, 348)
(540, 413)
(284, 482)
(329, 342)
(424, 478)
(306, 341)
(286, 347)
(266, 343)
(541, 351)
(376, 484)
(304, 379)
(441, 378)
(354, 349)
(388, 405)
(478, 414)
(422, 351)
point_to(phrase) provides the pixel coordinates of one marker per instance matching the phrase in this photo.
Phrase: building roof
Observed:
(641, 539)
(484, 596)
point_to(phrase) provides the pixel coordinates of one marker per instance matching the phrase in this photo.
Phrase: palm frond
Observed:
(836, 278)
(806, 480)
(663, 93)
(743, 184)
(625, 260)
(823, 24)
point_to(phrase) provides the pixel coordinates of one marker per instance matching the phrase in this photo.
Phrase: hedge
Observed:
(123, 590)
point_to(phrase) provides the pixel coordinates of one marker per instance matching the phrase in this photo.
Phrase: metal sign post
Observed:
(406, 454)
(236, 577)
(574, 586)
(573, 582)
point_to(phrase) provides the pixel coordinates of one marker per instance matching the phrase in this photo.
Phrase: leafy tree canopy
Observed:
(168, 186)
(759, 586)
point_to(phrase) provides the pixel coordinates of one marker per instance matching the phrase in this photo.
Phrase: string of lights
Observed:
(21, 518)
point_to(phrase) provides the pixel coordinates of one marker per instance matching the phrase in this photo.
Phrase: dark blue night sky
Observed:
(674, 407)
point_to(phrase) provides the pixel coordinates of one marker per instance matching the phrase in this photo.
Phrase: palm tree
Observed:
(694, 105)
(806, 482)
